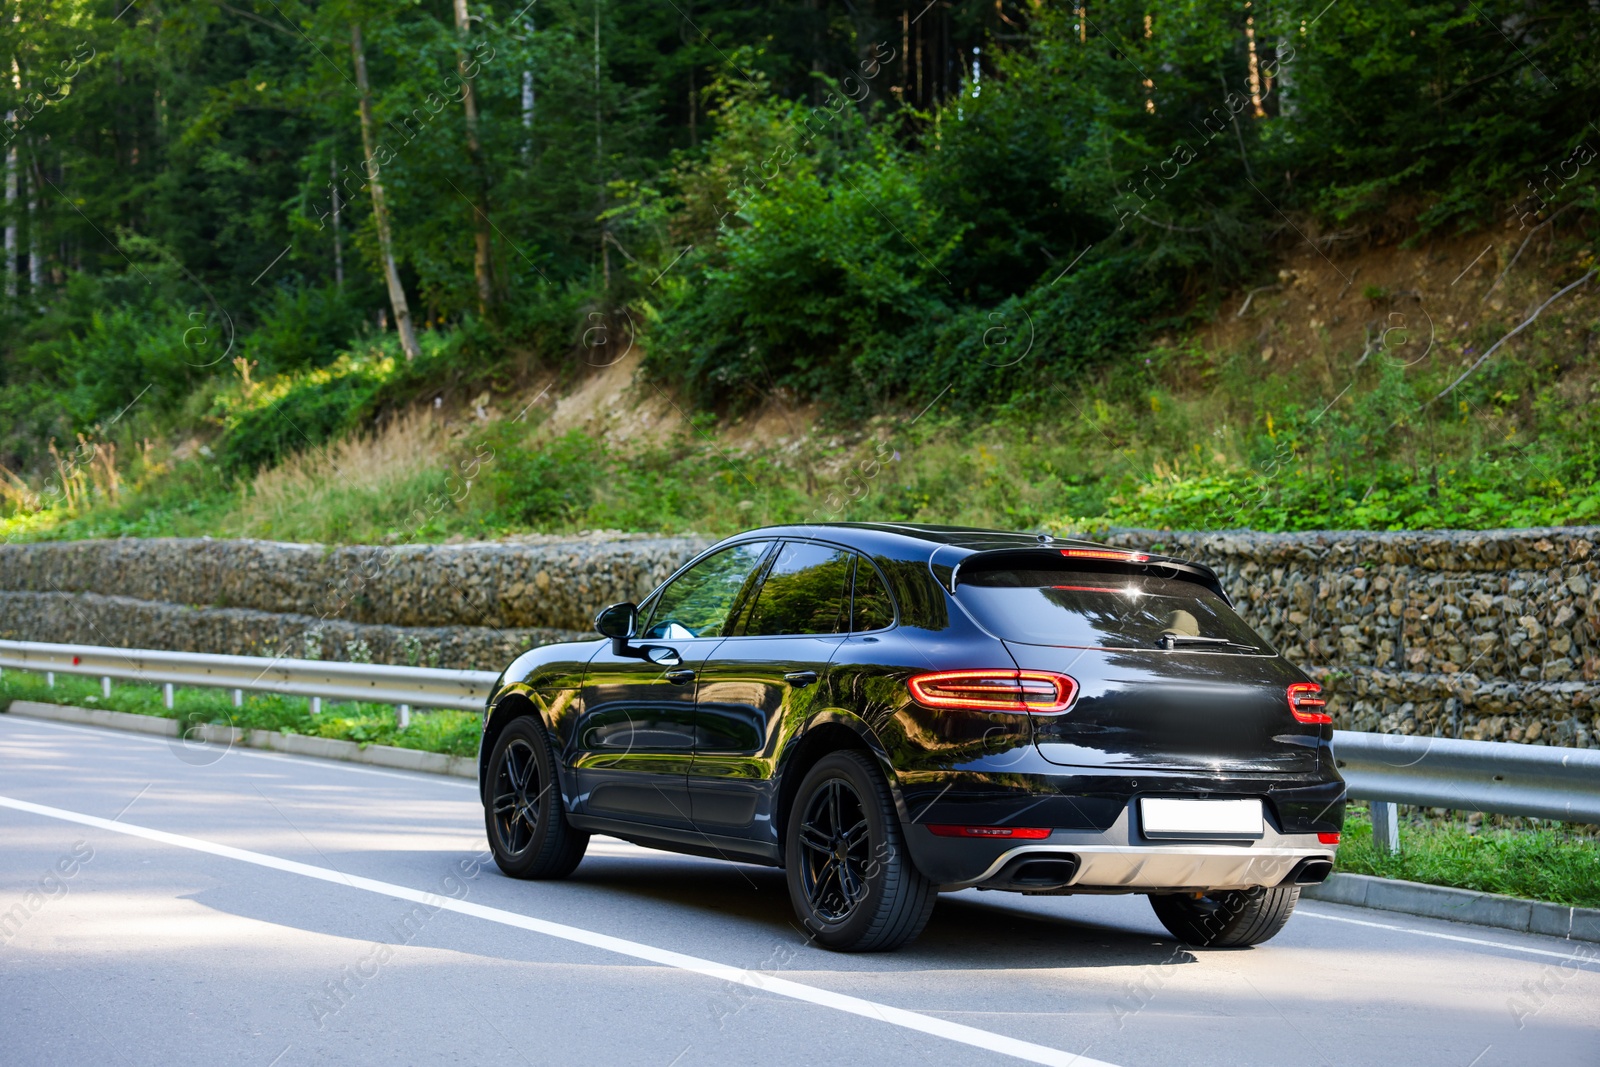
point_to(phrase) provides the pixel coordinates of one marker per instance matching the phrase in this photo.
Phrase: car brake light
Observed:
(1105, 553)
(1032, 833)
(1328, 839)
(1306, 704)
(1040, 692)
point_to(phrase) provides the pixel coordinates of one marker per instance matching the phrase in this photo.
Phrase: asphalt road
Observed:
(162, 904)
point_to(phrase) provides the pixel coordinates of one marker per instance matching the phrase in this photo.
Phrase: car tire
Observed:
(851, 880)
(1233, 918)
(523, 812)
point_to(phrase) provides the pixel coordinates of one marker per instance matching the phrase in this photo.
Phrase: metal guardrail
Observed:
(1535, 781)
(1509, 779)
(371, 683)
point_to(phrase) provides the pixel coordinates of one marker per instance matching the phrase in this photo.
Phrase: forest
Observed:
(1047, 264)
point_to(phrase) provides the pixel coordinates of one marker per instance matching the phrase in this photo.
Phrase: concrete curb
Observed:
(1459, 905)
(403, 759)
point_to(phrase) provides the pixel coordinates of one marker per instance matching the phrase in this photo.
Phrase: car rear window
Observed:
(1100, 609)
(874, 608)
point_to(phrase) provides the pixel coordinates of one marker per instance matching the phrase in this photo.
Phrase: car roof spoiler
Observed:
(1098, 557)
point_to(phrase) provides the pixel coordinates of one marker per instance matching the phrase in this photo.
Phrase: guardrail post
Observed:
(50, 679)
(402, 716)
(166, 695)
(316, 705)
(238, 698)
(1386, 827)
(105, 687)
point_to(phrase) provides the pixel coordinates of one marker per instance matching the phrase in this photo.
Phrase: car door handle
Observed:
(800, 679)
(680, 677)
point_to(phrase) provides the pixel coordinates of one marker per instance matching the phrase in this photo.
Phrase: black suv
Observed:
(887, 711)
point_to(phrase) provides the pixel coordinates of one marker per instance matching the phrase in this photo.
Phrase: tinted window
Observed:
(698, 601)
(923, 603)
(1098, 609)
(806, 591)
(872, 609)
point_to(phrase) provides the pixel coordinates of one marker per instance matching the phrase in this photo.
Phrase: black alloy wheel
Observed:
(851, 881)
(834, 850)
(527, 826)
(1229, 918)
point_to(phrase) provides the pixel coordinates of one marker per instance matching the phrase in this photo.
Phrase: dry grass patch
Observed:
(322, 490)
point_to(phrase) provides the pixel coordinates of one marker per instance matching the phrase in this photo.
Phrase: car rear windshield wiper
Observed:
(1171, 640)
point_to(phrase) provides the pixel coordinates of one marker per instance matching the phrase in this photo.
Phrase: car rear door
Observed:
(1178, 710)
(767, 673)
(1168, 676)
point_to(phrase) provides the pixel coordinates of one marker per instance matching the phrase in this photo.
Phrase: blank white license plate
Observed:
(1164, 817)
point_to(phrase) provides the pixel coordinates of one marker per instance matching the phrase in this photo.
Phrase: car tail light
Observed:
(1328, 839)
(1040, 692)
(1031, 833)
(1105, 553)
(1306, 704)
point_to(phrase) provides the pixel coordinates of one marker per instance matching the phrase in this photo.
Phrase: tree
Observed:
(380, 211)
(482, 261)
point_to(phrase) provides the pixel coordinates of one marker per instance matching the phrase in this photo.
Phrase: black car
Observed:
(887, 711)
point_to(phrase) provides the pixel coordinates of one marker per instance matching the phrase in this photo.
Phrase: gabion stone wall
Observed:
(1491, 634)
(94, 619)
(473, 606)
(538, 582)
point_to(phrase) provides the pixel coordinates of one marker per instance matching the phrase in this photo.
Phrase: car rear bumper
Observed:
(1119, 860)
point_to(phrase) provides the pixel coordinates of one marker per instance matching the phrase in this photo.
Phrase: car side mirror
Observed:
(617, 622)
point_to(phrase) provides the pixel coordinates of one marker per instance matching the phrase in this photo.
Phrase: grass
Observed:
(355, 490)
(453, 733)
(1548, 862)
(1189, 439)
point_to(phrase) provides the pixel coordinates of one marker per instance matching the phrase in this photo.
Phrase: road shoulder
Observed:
(404, 759)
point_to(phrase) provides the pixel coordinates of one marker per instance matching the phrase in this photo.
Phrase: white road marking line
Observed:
(910, 1020)
(255, 753)
(1593, 958)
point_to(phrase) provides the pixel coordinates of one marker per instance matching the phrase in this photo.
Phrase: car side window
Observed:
(871, 606)
(699, 602)
(806, 591)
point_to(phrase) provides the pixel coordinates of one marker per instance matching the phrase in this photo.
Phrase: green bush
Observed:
(304, 327)
(825, 248)
(299, 412)
(549, 484)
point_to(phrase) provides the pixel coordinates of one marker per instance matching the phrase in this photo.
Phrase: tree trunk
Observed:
(380, 210)
(35, 240)
(599, 163)
(11, 185)
(482, 261)
(11, 216)
(527, 115)
(338, 240)
(528, 99)
(1286, 102)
